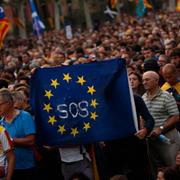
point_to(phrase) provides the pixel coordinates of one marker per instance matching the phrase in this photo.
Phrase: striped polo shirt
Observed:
(5, 146)
(161, 106)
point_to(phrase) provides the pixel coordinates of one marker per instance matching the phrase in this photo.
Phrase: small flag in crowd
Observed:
(82, 104)
(111, 10)
(178, 6)
(68, 30)
(141, 6)
(38, 26)
(147, 4)
(4, 26)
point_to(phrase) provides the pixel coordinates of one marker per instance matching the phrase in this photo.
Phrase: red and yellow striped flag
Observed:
(4, 28)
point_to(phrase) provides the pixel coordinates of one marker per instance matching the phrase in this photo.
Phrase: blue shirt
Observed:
(22, 125)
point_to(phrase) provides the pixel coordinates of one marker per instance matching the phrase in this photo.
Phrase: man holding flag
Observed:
(4, 26)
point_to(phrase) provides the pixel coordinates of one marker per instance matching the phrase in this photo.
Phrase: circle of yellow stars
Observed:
(48, 108)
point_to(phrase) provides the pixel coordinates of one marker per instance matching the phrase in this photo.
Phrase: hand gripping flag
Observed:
(38, 26)
(82, 104)
(4, 26)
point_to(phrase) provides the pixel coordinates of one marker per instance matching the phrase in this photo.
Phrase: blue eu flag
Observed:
(82, 103)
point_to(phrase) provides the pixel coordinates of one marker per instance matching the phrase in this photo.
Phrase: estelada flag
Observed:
(4, 26)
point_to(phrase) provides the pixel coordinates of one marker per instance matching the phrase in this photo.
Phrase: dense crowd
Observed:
(151, 49)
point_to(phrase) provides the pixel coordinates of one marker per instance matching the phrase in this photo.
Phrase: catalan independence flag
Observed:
(4, 26)
(82, 104)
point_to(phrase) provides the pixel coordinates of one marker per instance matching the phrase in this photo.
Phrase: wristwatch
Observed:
(161, 127)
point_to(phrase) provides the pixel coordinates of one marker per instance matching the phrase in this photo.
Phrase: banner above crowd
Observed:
(82, 103)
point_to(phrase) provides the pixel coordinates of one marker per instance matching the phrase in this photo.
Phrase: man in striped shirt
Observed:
(164, 110)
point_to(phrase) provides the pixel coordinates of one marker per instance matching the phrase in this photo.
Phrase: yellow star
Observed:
(47, 107)
(74, 131)
(94, 103)
(54, 83)
(93, 115)
(48, 94)
(61, 129)
(52, 120)
(86, 126)
(81, 80)
(91, 90)
(67, 77)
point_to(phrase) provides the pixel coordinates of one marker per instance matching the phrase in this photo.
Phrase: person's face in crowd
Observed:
(171, 35)
(7, 59)
(122, 51)
(134, 81)
(139, 62)
(25, 58)
(4, 106)
(168, 49)
(148, 42)
(160, 176)
(176, 61)
(149, 82)
(147, 53)
(162, 61)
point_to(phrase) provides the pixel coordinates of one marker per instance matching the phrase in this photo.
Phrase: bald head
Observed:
(169, 68)
(170, 74)
(150, 80)
(151, 74)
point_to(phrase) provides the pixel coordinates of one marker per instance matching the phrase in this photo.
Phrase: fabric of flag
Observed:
(38, 26)
(4, 26)
(82, 104)
(112, 4)
(2, 14)
(147, 4)
(140, 8)
(178, 6)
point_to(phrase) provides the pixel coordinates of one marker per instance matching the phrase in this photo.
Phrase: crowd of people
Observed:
(151, 49)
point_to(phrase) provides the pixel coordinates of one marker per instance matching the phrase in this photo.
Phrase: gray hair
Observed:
(6, 95)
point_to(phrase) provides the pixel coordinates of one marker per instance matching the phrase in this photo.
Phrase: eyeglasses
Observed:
(3, 103)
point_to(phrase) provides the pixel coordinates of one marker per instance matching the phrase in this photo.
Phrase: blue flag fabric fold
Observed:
(140, 8)
(38, 26)
(2, 14)
(82, 104)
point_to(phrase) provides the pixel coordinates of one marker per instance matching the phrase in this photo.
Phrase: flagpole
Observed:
(37, 30)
